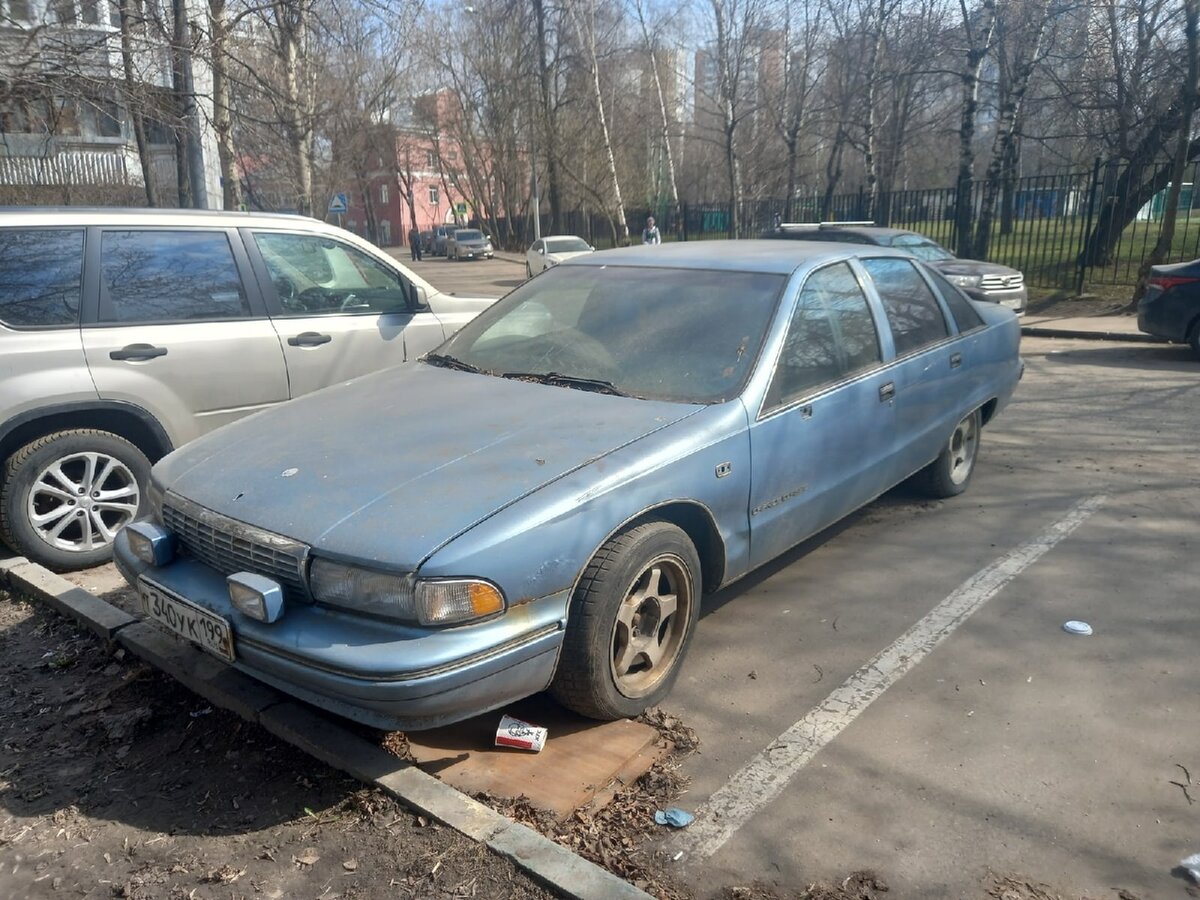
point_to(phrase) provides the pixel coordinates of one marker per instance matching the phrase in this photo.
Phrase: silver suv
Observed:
(127, 333)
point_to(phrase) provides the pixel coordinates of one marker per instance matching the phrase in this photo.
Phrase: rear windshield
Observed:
(468, 235)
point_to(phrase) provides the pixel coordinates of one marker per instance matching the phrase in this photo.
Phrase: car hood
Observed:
(390, 467)
(971, 267)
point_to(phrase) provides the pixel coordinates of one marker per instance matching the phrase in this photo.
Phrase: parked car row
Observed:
(543, 500)
(127, 334)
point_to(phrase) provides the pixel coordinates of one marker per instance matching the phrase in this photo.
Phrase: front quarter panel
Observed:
(541, 544)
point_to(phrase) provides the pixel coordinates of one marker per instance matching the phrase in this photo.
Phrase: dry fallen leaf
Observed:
(350, 865)
(308, 858)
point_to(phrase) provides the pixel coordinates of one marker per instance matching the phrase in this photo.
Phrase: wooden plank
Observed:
(582, 760)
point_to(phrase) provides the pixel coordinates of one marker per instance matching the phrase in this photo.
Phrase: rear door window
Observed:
(169, 276)
(832, 335)
(912, 311)
(40, 276)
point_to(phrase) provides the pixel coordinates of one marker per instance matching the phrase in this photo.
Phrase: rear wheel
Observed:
(631, 620)
(950, 473)
(1194, 337)
(66, 495)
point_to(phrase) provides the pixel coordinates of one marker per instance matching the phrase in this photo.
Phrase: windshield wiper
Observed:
(449, 362)
(572, 381)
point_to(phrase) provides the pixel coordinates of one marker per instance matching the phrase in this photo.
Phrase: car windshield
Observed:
(684, 335)
(567, 245)
(468, 235)
(921, 247)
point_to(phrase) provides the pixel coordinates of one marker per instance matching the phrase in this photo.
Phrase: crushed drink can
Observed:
(521, 735)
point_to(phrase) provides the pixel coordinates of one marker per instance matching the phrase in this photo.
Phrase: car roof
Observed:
(869, 231)
(778, 257)
(555, 237)
(104, 215)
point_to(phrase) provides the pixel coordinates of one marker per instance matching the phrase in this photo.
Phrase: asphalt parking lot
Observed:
(899, 695)
(1011, 746)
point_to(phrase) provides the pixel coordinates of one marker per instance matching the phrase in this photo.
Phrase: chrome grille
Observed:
(1002, 282)
(229, 546)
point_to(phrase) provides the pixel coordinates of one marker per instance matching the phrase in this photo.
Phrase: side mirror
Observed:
(420, 299)
(541, 251)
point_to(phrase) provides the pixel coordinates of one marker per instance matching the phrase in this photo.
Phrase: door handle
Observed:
(309, 339)
(137, 352)
(955, 360)
(887, 392)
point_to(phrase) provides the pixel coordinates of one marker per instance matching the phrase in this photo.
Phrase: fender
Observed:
(84, 409)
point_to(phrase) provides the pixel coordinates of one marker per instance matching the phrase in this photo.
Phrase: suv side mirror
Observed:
(420, 300)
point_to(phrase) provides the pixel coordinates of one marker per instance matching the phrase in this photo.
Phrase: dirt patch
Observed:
(1059, 305)
(115, 781)
(864, 885)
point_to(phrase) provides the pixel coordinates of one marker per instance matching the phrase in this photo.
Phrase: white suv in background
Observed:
(127, 333)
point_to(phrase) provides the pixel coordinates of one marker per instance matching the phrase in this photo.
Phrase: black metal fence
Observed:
(1068, 231)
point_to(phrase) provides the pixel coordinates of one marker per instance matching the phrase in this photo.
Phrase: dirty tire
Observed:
(647, 576)
(528, 271)
(118, 498)
(950, 474)
(1194, 338)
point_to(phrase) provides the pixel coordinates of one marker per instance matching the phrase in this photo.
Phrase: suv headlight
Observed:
(965, 281)
(403, 597)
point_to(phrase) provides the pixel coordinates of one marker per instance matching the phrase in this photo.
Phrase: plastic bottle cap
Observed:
(1076, 627)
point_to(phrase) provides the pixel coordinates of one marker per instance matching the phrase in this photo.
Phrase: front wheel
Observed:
(528, 271)
(1194, 338)
(66, 495)
(630, 623)
(950, 473)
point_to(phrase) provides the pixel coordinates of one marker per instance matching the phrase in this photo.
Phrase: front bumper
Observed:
(475, 254)
(383, 674)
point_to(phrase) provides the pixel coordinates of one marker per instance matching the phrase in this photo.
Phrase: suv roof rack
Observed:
(824, 224)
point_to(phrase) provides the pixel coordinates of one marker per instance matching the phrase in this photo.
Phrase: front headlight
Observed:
(361, 590)
(402, 597)
(965, 281)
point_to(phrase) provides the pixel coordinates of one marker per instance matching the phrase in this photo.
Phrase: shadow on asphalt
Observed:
(1165, 357)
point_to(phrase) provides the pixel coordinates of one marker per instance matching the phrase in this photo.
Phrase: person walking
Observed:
(414, 244)
(650, 233)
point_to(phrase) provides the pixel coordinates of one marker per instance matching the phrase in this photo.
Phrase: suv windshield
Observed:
(921, 247)
(684, 335)
(468, 235)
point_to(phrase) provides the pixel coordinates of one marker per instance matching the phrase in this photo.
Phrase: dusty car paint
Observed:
(444, 473)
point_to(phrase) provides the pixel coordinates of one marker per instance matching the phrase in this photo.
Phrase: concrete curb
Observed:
(1051, 332)
(321, 736)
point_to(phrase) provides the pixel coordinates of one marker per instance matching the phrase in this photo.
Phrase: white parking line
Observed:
(763, 778)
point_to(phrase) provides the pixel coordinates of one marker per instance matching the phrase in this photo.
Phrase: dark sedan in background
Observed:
(987, 281)
(1170, 308)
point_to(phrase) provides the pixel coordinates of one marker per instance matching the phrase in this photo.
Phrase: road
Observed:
(1010, 746)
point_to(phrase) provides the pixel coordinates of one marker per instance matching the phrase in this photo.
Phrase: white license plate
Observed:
(186, 619)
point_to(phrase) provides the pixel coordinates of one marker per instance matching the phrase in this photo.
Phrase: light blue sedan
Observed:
(543, 502)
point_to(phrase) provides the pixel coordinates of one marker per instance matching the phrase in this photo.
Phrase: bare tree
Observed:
(1021, 31)
(584, 22)
(652, 45)
(978, 29)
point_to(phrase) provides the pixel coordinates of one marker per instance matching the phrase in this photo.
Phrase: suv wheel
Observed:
(65, 497)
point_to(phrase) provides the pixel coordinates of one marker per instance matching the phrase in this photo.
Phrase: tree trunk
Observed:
(792, 142)
(833, 174)
(1013, 86)
(663, 117)
(870, 153)
(292, 21)
(588, 39)
(550, 123)
(1187, 103)
(134, 103)
(231, 185)
(977, 50)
